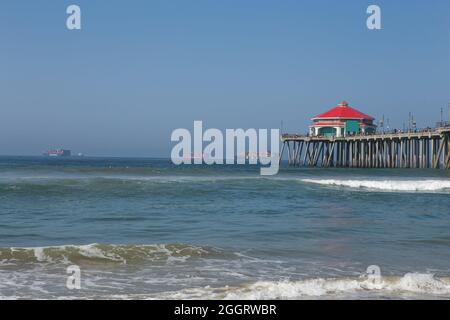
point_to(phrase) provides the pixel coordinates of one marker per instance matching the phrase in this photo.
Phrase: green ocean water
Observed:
(146, 229)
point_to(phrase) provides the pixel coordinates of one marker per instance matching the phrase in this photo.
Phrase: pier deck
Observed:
(424, 149)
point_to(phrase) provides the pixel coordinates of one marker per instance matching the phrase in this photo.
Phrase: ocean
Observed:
(147, 229)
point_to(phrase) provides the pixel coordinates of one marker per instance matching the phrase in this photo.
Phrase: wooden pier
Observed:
(425, 149)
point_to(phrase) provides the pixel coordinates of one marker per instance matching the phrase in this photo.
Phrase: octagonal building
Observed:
(342, 121)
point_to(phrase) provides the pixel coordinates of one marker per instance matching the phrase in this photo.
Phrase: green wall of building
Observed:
(352, 126)
(327, 131)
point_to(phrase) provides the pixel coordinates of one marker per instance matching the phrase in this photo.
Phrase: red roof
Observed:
(343, 111)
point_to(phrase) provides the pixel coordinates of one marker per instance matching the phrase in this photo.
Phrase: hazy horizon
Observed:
(135, 72)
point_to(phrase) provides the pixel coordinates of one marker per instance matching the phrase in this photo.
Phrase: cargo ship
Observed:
(57, 153)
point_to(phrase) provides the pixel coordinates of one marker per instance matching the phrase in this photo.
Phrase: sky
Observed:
(137, 70)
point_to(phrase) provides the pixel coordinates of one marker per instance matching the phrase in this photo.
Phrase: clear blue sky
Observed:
(139, 69)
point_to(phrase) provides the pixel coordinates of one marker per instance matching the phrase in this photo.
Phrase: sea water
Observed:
(147, 229)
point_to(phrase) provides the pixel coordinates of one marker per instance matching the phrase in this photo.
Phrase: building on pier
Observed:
(342, 121)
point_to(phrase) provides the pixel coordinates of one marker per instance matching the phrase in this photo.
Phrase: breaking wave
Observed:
(388, 185)
(411, 284)
(103, 253)
(118, 283)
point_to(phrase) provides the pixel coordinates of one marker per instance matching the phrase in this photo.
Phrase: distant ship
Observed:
(57, 153)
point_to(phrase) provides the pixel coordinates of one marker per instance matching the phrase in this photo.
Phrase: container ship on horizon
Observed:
(57, 153)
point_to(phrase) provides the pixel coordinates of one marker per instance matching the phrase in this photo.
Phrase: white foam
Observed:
(418, 282)
(39, 254)
(409, 284)
(387, 185)
(92, 251)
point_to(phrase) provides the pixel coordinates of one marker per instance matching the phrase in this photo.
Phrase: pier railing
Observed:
(386, 133)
